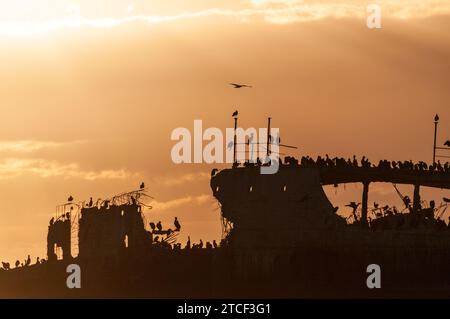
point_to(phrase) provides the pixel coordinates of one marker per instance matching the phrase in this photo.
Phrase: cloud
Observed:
(271, 11)
(27, 146)
(289, 11)
(14, 167)
(182, 201)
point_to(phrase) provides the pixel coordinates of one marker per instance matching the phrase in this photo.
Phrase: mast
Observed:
(234, 143)
(268, 136)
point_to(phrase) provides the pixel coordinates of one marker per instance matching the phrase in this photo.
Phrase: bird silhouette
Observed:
(353, 205)
(447, 143)
(91, 202)
(142, 185)
(70, 198)
(177, 224)
(159, 226)
(238, 86)
(235, 113)
(250, 138)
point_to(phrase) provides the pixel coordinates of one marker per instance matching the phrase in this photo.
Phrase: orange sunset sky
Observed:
(90, 92)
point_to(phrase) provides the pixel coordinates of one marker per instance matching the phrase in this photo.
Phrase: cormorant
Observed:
(177, 224)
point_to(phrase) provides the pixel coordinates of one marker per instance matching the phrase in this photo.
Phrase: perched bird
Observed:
(238, 86)
(188, 243)
(235, 113)
(447, 143)
(152, 225)
(142, 185)
(159, 226)
(250, 139)
(70, 198)
(177, 224)
(91, 202)
(353, 205)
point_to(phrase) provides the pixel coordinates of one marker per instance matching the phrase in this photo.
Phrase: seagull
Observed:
(238, 86)
(235, 113)
(142, 185)
(70, 198)
(447, 143)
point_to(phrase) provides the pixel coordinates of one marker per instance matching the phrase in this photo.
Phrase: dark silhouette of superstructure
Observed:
(59, 236)
(106, 230)
(282, 237)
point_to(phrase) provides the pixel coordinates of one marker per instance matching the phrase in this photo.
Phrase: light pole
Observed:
(436, 121)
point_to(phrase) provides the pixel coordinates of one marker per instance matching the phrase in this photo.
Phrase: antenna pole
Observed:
(234, 143)
(436, 121)
(268, 136)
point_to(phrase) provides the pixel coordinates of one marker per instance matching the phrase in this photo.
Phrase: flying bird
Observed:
(447, 143)
(238, 86)
(235, 113)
